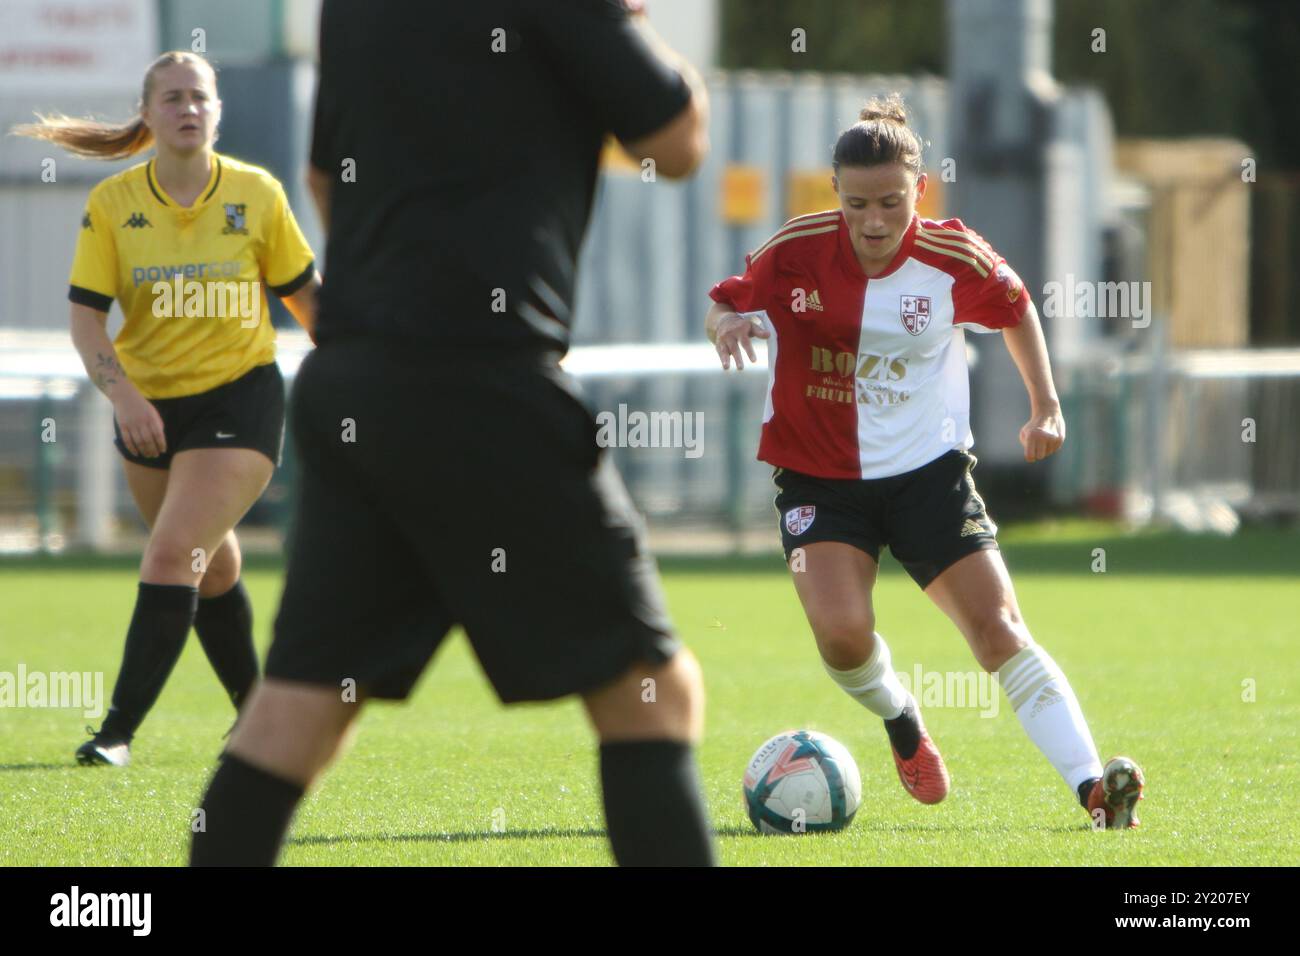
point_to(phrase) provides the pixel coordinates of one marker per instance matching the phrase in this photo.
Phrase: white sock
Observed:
(1048, 710)
(874, 684)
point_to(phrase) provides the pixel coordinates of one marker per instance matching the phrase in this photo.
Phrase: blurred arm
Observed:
(321, 185)
(302, 305)
(679, 146)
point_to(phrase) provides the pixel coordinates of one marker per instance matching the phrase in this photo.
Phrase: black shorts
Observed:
(436, 490)
(245, 413)
(930, 517)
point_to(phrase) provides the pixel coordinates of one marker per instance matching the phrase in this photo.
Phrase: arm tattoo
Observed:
(108, 371)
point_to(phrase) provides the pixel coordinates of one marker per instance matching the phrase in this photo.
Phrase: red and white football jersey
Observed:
(867, 377)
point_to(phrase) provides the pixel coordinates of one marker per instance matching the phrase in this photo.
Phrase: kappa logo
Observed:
(235, 219)
(85, 222)
(915, 311)
(798, 520)
(137, 221)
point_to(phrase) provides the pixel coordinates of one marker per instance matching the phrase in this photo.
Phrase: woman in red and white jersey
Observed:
(867, 420)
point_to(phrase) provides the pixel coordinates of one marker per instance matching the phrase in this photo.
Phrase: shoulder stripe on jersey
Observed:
(956, 236)
(793, 234)
(976, 249)
(956, 254)
(799, 222)
(813, 216)
(959, 240)
(954, 233)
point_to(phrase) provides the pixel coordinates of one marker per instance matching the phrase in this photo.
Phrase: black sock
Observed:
(905, 732)
(246, 813)
(161, 622)
(225, 628)
(654, 811)
(1085, 789)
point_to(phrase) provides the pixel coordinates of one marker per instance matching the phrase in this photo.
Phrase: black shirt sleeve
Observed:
(599, 49)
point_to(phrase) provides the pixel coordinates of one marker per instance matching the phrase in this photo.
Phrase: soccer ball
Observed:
(801, 781)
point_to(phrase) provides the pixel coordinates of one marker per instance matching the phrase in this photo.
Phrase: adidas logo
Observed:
(137, 221)
(971, 527)
(1047, 698)
(814, 301)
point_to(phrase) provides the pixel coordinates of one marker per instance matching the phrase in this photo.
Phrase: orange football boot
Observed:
(1117, 793)
(923, 774)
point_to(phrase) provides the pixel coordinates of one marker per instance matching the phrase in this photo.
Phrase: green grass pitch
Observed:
(1183, 654)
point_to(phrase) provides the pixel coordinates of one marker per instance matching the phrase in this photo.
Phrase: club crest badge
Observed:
(798, 520)
(916, 313)
(234, 219)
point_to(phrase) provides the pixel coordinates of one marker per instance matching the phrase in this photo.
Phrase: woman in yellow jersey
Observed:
(186, 243)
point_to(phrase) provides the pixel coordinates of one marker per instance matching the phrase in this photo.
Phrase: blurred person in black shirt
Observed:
(449, 474)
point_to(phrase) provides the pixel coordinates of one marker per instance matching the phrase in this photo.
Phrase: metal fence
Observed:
(1196, 438)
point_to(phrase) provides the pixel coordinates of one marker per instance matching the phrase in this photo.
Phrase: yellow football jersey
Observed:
(191, 280)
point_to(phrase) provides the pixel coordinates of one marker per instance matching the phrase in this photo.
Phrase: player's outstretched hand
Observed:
(1043, 434)
(734, 333)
